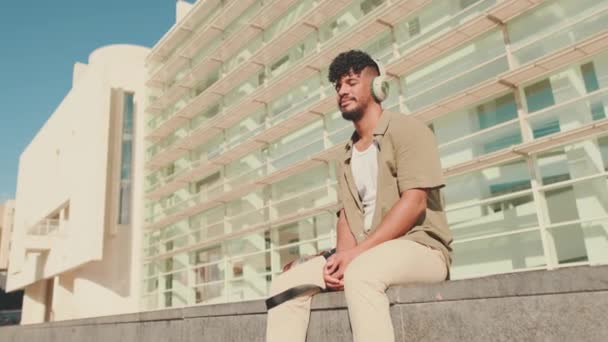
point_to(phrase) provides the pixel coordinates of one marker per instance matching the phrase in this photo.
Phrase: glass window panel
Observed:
(466, 3)
(487, 183)
(598, 110)
(172, 231)
(305, 201)
(151, 285)
(127, 123)
(584, 199)
(470, 133)
(242, 19)
(124, 200)
(210, 181)
(497, 111)
(248, 244)
(244, 54)
(197, 28)
(592, 84)
(253, 287)
(539, 95)
(581, 242)
(298, 145)
(250, 265)
(295, 100)
(570, 115)
(464, 148)
(291, 253)
(506, 137)
(207, 217)
(245, 88)
(209, 293)
(299, 183)
(603, 146)
(206, 255)
(246, 177)
(379, 45)
(307, 229)
(553, 166)
(494, 217)
(208, 232)
(337, 128)
(347, 18)
(151, 251)
(569, 244)
(251, 201)
(465, 67)
(204, 116)
(464, 58)
(175, 280)
(293, 55)
(498, 255)
(208, 273)
(151, 269)
(124, 211)
(542, 129)
(434, 19)
(572, 161)
(555, 25)
(250, 162)
(245, 128)
(589, 77)
(208, 150)
(286, 20)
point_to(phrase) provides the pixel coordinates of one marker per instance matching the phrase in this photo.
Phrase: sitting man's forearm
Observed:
(399, 220)
(345, 238)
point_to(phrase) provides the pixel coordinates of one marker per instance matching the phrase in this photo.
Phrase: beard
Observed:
(353, 115)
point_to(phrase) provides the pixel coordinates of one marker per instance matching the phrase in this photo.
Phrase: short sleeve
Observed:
(339, 187)
(417, 157)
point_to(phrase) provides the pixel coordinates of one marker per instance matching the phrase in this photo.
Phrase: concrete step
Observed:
(569, 304)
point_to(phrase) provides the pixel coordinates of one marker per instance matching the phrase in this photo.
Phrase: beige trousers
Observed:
(395, 262)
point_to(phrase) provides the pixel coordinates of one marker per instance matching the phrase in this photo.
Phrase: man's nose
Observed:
(343, 91)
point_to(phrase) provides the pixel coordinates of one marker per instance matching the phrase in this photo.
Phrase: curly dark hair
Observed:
(355, 60)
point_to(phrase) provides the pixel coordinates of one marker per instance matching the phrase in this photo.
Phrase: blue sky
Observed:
(40, 40)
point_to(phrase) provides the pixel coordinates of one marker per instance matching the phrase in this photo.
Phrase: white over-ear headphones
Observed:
(380, 86)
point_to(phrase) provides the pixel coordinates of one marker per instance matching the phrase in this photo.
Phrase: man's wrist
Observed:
(360, 248)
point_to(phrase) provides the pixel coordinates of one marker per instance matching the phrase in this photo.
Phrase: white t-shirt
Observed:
(364, 165)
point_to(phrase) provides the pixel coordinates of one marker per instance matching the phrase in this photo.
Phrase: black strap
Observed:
(296, 290)
(289, 294)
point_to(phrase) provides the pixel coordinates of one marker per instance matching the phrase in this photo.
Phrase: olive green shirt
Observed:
(407, 158)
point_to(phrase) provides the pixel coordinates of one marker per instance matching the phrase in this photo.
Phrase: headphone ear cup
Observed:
(380, 88)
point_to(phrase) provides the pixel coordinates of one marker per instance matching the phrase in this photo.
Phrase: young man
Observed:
(391, 226)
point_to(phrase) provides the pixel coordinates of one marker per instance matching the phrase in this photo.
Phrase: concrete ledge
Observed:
(565, 304)
(565, 280)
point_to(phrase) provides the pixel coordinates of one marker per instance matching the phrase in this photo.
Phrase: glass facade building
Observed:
(243, 130)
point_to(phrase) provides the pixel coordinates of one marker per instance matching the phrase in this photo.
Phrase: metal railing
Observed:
(44, 228)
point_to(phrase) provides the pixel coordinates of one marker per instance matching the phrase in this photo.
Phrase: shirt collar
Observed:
(379, 132)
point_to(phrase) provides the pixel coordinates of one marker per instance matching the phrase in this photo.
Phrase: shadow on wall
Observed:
(114, 271)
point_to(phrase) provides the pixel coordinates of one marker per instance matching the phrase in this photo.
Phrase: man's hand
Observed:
(336, 266)
(332, 282)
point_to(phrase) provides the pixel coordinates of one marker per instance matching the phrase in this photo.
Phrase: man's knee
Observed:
(359, 274)
(278, 284)
(356, 275)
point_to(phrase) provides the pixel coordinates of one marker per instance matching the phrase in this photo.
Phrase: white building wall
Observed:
(94, 261)
(6, 225)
